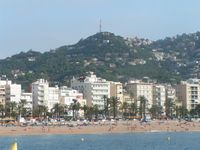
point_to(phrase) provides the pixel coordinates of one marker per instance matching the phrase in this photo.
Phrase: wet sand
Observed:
(100, 128)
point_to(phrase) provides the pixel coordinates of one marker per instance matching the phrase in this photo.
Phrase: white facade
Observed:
(44, 95)
(67, 95)
(13, 93)
(53, 97)
(116, 90)
(29, 100)
(93, 89)
(3, 84)
(138, 89)
(159, 95)
(170, 92)
(188, 92)
(40, 90)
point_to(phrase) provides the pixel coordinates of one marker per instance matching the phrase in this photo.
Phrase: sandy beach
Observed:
(99, 128)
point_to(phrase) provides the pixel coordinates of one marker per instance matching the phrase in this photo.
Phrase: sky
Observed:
(42, 25)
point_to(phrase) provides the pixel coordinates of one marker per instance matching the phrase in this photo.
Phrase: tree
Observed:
(169, 106)
(89, 113)
(106, 103)
(133, 109)
(125, 107)
(156, 111)
(75, 106)
(40, 111)
(58, 110)
(85, 108)
(183, 111)
(114, 103)
(143, 102)
(22, 111)
(11, 108)
(96, 111)
(197, 109)
(2, 110)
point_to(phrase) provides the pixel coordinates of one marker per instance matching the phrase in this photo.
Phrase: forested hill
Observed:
(111, 57)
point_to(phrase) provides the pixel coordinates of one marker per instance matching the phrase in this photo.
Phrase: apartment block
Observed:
(29, 100)
(13, 93)
(93, 89)
(138, 88)
(116, 90)
(159, 95)
(3, 84)
(44, 95)
(188, 92)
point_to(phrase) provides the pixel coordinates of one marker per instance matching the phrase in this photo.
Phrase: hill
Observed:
(111, 57)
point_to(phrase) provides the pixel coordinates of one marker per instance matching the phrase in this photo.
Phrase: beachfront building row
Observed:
(12, 93)
(91, 90)
(186, 93)
(48, 96)
(155, 94)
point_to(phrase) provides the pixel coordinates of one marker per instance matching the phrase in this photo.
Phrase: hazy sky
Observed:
(47, 24)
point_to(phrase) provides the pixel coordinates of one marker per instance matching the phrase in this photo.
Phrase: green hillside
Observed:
(111, 57)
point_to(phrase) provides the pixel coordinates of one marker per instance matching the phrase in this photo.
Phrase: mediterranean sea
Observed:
(132, 141)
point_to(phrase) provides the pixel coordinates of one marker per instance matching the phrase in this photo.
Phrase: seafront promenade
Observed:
(104, 127)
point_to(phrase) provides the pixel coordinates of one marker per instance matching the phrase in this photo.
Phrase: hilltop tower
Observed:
(100, 26)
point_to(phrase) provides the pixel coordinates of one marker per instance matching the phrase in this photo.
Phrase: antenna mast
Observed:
(100, 26)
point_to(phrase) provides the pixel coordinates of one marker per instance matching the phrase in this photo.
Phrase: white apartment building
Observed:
(2, 94)
(44, 95)
(93, 89)
(138, 88)
(170, 92)
(53, 97)
(159, 95)
(29, 100)
(188, 92)
(13, 93)
(3, 84)
(67, 97)
(116, 90)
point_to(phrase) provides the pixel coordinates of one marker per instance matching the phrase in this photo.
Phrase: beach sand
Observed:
(119, 127)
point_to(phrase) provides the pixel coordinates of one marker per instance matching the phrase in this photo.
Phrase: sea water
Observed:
(132, 141)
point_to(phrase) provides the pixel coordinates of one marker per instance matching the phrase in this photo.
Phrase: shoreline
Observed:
(120, 128)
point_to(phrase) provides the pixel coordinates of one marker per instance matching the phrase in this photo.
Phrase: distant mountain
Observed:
(111, 57)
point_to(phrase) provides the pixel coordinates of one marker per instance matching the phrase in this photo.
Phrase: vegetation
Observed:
(170, 107)
(110, 57)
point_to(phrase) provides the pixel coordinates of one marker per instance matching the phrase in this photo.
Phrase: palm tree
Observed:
(183, 111)
(197, 109)
(58, 110)
(125, 107)
(114, 103)
(11, 109)
(21, 108)
(74, 107)
(106, 103)
(133, 109)
(2, 110)
(169, 106)
(156, 111)
(89, 113)
(85, 108)
(143, 102)
(41, 111)
(96, 111)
